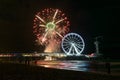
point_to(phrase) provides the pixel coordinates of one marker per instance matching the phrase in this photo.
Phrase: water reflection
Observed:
(70, 65)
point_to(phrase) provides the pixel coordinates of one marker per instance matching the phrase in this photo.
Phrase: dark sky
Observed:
(89, 19)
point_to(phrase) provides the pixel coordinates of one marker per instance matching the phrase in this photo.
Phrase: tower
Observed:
(96, 42)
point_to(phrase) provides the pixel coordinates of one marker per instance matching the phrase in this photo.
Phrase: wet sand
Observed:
(13, 71)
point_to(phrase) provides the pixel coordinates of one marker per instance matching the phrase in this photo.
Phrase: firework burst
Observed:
(50, 25)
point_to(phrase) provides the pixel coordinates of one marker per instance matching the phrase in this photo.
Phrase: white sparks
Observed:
(55, 15)
(44, 37)
(59, 21)
(40, 18)
(42, 25)
(59, 34)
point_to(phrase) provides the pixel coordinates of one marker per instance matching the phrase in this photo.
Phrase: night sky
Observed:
(89, 19)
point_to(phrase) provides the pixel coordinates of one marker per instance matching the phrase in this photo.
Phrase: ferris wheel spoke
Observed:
(76, 50)
(72, 36)
(79, 46)
(79, 42)
(73, 51)
(69, 39)
(70, 49)
(67, 48)
(75, 42)
(66, 45)
(80, 49)
(40, 18)
(66, 40)
(78, 39)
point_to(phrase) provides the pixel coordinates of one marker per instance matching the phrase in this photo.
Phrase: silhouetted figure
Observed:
(108, 67)
(35, 61)
(20, 58)
(28, 61)
(25, 61)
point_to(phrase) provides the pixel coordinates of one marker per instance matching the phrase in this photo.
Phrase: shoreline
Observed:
(9, 71)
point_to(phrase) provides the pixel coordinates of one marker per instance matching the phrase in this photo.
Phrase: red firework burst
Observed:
(50, 25)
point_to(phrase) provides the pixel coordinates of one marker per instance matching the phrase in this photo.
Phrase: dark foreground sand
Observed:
(12, 71)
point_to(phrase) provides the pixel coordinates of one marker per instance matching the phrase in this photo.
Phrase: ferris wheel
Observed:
(73, 44)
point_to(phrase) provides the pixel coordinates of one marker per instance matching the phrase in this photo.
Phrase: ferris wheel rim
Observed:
(81, 39)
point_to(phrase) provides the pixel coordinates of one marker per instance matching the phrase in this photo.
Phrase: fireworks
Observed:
(50, 26)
